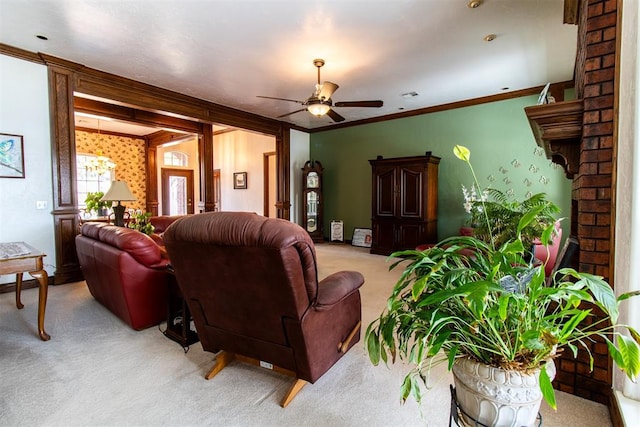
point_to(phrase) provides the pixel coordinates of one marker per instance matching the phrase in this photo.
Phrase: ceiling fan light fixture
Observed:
(318, 107)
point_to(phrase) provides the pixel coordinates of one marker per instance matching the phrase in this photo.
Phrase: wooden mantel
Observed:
(557, 128)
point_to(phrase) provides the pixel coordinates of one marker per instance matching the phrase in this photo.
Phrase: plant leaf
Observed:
(373, 347)
(529, 217)
(546, 388)
(405, 389)
(605, 298)
(573, 323)
(630, 355)
(419, 286)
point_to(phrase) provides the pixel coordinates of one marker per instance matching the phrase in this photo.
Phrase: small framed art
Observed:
(361, 237)
(11, 156)
(239, 180)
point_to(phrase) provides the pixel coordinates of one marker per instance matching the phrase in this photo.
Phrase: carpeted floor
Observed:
(97, 371)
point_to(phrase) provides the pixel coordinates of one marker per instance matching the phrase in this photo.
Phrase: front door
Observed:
(177, 191)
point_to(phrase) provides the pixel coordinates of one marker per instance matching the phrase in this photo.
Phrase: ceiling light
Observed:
(318, 107)
(100, 164)
(409, 95)
(41, 37)
(490, 37)
(474, 3)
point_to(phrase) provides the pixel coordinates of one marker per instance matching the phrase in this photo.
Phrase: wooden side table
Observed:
(179, 317)
(14, 260)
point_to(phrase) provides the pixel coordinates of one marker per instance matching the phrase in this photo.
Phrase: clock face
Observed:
(312, 180)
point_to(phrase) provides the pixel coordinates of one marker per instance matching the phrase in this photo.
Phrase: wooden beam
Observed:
(571, 11)
(134, 115)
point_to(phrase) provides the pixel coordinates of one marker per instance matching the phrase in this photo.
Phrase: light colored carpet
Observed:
(97, 371)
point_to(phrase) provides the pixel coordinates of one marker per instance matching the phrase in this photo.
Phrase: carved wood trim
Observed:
(151, 178)
(283, 161)
(207, 189)
(63, 148)
(557, 128)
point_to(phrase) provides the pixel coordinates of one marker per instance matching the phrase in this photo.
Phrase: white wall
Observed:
(24, 110)
(299, 154)
(241, 151)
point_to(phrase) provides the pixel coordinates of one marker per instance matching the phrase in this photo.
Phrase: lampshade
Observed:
(318, 108)
(119, 191)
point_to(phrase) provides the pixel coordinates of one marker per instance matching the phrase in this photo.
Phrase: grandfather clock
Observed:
(312, 199)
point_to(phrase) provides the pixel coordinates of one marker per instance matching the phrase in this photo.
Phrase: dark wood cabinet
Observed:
(312, 207)
(404, 202)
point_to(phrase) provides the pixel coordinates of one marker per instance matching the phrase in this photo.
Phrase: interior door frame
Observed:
(165, 173)
(267, 182)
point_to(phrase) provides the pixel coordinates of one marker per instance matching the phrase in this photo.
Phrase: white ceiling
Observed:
(229, 51)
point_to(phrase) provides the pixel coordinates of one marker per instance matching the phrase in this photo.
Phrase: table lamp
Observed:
(118, 192)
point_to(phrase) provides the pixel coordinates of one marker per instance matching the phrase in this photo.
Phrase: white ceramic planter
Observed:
(495, 397)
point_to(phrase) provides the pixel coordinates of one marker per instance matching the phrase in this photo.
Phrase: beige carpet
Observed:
(97, 371)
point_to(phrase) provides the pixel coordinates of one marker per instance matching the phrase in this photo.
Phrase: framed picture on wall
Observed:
(11, 156)
(361, 237)
(239, 180)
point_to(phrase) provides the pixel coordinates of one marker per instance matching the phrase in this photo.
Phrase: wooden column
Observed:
(63, 153)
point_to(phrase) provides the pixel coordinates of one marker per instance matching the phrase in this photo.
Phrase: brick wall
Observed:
(592, 186)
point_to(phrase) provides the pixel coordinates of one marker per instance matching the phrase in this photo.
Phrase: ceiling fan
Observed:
(320, 103)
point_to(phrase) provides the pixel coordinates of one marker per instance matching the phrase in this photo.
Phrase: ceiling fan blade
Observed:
(281, 99)
(335, 116)
(375, 104)
(293, 112)
(328, 88)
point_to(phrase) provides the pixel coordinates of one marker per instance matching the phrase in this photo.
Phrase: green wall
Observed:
(498, 135)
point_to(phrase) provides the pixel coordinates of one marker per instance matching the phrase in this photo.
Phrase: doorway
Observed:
(177, 191)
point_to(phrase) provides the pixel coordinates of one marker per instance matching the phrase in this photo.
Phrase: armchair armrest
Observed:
(336, 287)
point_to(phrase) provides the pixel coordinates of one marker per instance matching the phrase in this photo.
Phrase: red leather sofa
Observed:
(125, 271)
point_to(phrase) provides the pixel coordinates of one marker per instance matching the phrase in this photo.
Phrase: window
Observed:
(89, 181)
(176, 158)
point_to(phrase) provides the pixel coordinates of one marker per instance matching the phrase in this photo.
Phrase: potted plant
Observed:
(140, 221)
(490, 313)
(94, 204)
(505, 215)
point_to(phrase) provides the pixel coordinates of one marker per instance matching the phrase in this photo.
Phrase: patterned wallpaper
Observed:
(126, 153)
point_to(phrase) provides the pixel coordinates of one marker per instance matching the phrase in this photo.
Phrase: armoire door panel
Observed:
(411, 194)
(386, 194)
(410, 236)
(384, 234)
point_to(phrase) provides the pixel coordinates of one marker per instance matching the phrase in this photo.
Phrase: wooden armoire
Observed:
(404, 202)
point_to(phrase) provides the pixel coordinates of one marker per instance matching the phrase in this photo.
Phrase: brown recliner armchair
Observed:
(251, 285)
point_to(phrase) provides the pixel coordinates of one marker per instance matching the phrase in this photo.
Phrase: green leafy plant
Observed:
(466, 297)
(505, 215)
(140, 221)
(93, 202)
